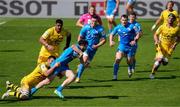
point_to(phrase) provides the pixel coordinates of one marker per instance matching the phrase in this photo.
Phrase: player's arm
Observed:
(111, 37)
(138, 31)
(102, 39)
(43, 41)
(80, 53)
(79, 23)
(117, 6)
(105, 5)
(51, 70)
(159, 20)
(82, 34)
(68, 40)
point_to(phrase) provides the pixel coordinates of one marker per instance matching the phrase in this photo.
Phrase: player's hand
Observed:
(114, 11)
(50, 47)
(132, 43)
(111, 43)
(104, 11)
(95, 46)
(153, 27)
(57, 64)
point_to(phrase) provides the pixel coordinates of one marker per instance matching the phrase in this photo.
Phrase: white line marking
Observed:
(1, 23)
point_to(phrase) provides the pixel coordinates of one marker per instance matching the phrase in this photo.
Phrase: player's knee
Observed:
(117, 61)
(164, 61)
(24, 94)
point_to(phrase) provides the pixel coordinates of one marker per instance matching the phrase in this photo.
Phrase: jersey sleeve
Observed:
(83, 32)
(43, 68)
(102, 33)
(114, 31)
(81, 19)
(158, 31)
(46, 34)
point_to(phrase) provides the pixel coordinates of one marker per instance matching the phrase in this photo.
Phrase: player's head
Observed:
(50, 59)
(124, 19)
(59, 24)
(92, 10)
(132, 16)
(93, 21)
(170, 5)
(171, 18)
(83, 44)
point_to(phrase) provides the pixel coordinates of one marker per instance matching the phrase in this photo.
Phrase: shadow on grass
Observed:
(137, 79)
(4, 75)
(78, 97)
(12, 50)
(11, 100)
(90, 86)
(170, 70)
(176, 57)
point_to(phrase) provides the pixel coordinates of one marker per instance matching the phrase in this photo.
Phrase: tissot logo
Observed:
(81, 8)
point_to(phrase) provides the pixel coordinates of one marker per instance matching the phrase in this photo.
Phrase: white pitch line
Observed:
(1, 23)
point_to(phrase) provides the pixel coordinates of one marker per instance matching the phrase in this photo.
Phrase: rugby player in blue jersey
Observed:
(127, 42)
(110, 9)
(96, 37)
(132, 20)
(67, 56)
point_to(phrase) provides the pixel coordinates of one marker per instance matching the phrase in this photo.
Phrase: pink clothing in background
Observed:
(85, 17)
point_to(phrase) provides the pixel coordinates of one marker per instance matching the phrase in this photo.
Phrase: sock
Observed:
(14, 87)
(116, 68)
(15, 93)
(134, 64)
(81, 68)
(59, 88)
(33, 90)
(110, 30)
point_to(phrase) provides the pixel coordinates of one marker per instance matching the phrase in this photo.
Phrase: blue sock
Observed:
(80, 70)
(59, 88)
(116, 68)
(33, 90)
(110, 30)
(134, 65)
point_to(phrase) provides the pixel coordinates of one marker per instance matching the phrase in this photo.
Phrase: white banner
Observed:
(75, 8)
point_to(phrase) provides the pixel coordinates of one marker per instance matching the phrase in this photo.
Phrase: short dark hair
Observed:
(124, 16)
(133, 13)
(51, 57)
(59, 21)
(83, 42)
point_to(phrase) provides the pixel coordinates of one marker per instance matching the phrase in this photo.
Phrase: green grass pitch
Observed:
(19, 47)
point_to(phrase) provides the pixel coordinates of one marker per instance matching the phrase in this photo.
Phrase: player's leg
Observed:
(69, 78)
(81, 67)
(119, 56)
(11, 86)
(130, 5)
(130, 65)
(46, 81)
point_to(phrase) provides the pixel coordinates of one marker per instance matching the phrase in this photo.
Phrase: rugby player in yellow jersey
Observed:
(39, 73)
(166, 38)
(164, 15)
(51, 40)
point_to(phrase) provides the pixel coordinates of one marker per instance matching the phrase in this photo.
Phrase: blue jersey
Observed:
(125, 33)
(111, 5)
(137, 28)
(67, 56)
(92, 34)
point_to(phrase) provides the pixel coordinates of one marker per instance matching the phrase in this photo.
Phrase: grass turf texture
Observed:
(19, 51)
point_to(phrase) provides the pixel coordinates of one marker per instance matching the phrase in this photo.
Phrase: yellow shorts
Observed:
(28, 83)
(163, 50)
